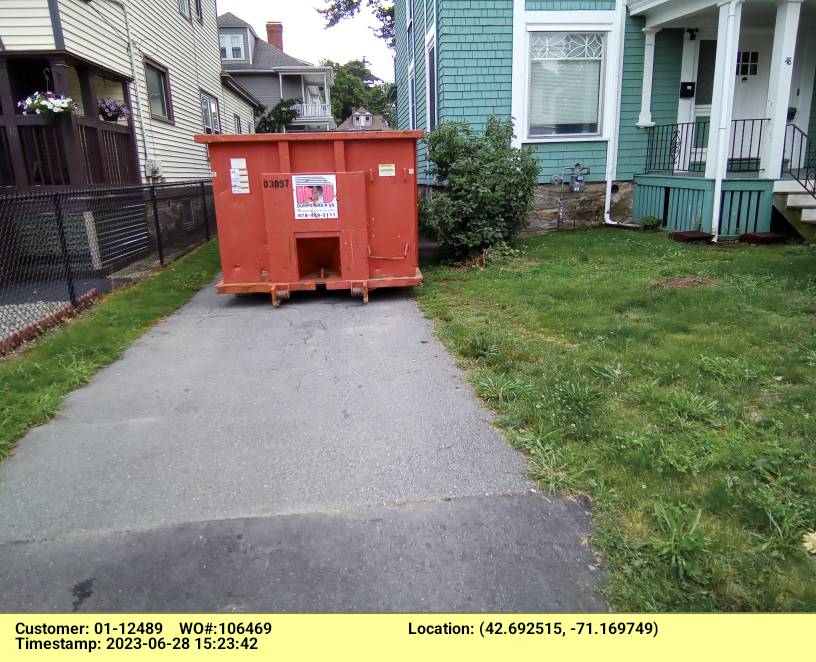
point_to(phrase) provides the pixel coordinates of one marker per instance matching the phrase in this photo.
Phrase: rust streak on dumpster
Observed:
(337, 209)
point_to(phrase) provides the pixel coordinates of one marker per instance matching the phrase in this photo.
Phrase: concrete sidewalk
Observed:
(321, 456)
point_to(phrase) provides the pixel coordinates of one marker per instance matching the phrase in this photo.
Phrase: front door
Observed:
(750, 98)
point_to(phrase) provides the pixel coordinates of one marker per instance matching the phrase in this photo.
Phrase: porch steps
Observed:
(788, 186)
(798, 208)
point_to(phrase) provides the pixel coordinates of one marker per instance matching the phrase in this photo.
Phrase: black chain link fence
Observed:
(59, 250)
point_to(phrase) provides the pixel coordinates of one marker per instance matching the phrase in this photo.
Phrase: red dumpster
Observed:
(296, 211)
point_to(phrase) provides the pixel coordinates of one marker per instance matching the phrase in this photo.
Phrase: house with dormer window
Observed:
(363, 120)
(271, 75)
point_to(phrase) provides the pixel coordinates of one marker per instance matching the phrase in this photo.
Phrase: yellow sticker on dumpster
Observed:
(388, 169)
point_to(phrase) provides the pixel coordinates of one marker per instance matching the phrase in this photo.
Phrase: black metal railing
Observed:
(683, 147)
(799, 158)
(60, 249)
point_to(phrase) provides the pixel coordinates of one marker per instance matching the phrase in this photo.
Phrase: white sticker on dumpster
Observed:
(388, 169)
(239, 176)
(315, 196)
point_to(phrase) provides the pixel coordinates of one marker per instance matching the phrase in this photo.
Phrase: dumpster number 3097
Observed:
(276, 183)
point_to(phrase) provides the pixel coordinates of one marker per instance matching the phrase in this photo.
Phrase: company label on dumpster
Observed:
(315, 196)
(239, 176)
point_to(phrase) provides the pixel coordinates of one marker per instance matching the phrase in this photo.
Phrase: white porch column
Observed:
(722, 101)
(645, 118)
(779, 85)
(327, 90)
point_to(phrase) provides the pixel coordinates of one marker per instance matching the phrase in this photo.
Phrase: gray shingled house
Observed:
(269, 74)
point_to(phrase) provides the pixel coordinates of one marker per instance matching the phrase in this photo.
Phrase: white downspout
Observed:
(726, 112)
(614, 136)
(136, 83)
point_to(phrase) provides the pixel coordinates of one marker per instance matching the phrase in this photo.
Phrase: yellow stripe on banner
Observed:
(423, 637)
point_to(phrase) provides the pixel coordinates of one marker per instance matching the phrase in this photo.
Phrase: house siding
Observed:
(26, 25)
(187, 48)
(475, 40)
(97, 32)
(411, 49)
(667, 66)
(402, 61)
(264, 87)
(475, 48)
(568, 5)
(232, 105)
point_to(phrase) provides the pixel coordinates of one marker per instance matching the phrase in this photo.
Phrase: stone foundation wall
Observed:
(582, 209)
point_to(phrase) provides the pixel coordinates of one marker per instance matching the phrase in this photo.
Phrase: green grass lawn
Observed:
(34, 383)
(688, 415)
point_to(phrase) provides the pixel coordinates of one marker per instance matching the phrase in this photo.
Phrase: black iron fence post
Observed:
(66, 256)
(157, 223)
(205, 211)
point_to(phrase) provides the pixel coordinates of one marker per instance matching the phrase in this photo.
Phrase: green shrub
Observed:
(278, 119)
(650, 223)
(488, 186)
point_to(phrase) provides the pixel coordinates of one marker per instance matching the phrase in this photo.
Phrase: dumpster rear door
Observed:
(316, 227)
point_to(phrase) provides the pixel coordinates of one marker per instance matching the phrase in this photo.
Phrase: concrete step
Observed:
(788, 186)
(809, 215)
(801, 200)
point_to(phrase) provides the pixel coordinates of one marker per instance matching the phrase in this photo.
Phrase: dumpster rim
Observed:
(206, 138)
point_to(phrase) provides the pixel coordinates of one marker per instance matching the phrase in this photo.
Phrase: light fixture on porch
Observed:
(692, 33)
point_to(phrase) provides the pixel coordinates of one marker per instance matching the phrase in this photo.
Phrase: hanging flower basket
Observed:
(112, 110)
(51, 107)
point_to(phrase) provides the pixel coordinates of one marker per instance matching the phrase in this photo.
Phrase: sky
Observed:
(305, 38)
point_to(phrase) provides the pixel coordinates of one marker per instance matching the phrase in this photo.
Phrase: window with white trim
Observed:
(239, 127)
(184, 8)
(410, 4)
(209, 113)
(232, 46)
(566, 74)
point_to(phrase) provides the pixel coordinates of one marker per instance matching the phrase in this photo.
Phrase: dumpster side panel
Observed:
(241, 231)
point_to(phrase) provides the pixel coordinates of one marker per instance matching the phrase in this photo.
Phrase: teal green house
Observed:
(700, 109)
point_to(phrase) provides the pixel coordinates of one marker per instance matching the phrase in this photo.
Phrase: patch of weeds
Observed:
(680, 541)
(486, 346)
(500, 388)
(609, 372)
(687, 406)
(577, 405)
(726, 369)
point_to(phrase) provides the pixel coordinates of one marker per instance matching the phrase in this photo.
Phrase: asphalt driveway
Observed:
(321, 456)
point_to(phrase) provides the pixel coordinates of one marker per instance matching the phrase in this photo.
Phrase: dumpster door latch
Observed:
(382, 257)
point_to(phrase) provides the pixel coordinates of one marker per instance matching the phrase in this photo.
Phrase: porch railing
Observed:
(51, 156)
(799, 158)
(106, 152)
(682, 148)
(308, 110)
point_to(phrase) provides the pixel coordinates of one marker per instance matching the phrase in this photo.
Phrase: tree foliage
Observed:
(355, 86)
(278, 119)
(337, 10)
(487, 186)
